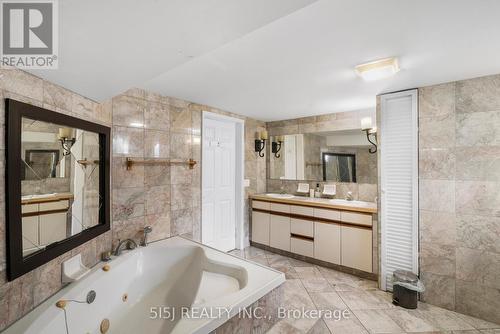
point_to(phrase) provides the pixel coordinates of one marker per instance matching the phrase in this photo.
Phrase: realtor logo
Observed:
(29, 34)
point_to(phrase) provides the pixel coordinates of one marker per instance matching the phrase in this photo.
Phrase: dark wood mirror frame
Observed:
(18, 265)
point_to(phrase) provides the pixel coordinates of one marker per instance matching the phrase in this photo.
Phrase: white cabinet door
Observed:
(30, 232)
(52, 227)
(357, 248)
(398, 144)
(279, 236)
(327, 242)
(260, 227)
(218, 208)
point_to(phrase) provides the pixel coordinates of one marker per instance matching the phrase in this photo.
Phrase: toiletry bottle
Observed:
(311, 193)
(317, 193)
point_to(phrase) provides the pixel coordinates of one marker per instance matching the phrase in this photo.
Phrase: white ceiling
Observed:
(107, 47)
(272, 60)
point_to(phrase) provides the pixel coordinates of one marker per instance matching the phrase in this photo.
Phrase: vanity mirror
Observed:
(57, 184)
(334, 156)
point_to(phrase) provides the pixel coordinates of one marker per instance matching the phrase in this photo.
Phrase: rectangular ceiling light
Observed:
(378, 69)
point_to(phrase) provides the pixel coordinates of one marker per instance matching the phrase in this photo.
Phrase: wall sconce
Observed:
(276, 146)
(366, 125)
(260, 143)
(66, 139)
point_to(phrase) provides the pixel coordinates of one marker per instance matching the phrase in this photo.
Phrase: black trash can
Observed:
(402, 295)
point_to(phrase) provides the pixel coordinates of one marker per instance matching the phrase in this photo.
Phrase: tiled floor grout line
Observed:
(346, 304)
(315, 305)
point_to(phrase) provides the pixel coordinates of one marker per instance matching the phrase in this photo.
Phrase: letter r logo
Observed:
(27, 28)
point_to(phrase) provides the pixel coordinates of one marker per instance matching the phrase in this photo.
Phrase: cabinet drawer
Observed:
(261, 205)
(327, 214)
(356, 218)
(280, 207)
(59, 205)
(302, 247)
(302, 227)
(327, 242)
(260, 227)
(26, 208)
(357, 248)
(302, 210)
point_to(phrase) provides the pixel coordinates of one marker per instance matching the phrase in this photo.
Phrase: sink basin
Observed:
(280, 195)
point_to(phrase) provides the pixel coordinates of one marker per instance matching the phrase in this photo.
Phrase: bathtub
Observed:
(171, 286)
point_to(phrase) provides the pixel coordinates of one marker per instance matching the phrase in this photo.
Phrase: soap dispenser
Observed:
(317, 192)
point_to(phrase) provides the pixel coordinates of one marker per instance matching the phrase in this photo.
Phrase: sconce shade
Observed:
(366, 123)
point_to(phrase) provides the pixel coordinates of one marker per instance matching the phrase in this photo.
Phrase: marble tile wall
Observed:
(459, 172)
(144, 125)
(21, 295)
(147, 125)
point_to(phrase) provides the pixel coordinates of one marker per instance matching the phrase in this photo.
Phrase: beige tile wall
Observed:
(147, 125)
(459, 172)
(167, 198)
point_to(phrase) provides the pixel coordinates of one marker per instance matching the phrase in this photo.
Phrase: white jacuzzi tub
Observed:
(171, 276)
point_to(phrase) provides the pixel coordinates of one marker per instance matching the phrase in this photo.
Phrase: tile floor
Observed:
(370, 310)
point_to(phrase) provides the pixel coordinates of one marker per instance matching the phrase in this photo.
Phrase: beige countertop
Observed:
(33, 199)
(339, 204)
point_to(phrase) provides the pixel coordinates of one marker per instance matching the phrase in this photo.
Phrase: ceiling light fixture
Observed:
(378, 69)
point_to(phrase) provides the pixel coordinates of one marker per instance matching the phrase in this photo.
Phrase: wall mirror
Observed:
(57, 184)
(334, 156)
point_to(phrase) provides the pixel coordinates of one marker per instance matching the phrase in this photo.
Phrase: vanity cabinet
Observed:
(279, 232)
(44, 223)
(356, 248)
(333, 235)
(327, 242)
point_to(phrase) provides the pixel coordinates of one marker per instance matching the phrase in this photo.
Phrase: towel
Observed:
(329, 189)
(303, 188)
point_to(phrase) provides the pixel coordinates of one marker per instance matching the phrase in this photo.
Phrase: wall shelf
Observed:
(157, 161)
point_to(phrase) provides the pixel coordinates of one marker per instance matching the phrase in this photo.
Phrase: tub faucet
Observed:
(129, 243)
(146, 231)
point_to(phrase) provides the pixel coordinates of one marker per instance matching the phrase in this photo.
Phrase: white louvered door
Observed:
(399, 183)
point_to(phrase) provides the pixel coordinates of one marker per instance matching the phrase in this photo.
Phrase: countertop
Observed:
(45, 198)
(339, 204)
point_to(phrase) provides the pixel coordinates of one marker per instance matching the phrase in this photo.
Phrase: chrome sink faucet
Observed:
(349, 196)
(129, 244)
(146, 231)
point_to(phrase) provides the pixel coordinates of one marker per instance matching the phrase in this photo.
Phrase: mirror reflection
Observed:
(336, 156)
(59, 183)
(339, 167)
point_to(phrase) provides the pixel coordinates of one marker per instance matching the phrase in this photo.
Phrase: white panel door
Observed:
(218, 169)
(399, 183)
